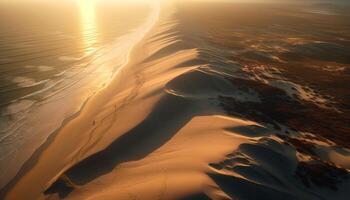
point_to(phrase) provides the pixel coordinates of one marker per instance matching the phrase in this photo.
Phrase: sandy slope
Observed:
(160, 133)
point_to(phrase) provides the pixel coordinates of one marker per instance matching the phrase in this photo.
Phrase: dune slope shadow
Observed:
(200, 196)
(169, 115)
(245, 189)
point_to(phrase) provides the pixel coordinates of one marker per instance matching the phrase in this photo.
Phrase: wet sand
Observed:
(206, 112)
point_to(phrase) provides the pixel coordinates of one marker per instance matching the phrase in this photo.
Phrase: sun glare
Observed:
(88, 24)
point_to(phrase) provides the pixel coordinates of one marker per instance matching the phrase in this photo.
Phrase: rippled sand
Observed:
(218, 101)
(53, 58)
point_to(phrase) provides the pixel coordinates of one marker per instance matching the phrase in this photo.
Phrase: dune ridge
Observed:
(22, 130)
(162, 130)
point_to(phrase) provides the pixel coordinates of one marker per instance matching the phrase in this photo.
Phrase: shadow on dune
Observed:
(262, 170)
(169, 115)
(200, 196)
(251, 130)
(238, 188)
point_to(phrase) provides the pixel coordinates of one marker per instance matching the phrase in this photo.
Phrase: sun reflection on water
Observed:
(87, 10)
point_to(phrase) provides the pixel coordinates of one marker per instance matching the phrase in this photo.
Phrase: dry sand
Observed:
(158, 132)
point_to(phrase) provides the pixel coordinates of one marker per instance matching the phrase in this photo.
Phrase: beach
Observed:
(51, 65)
(210, 104)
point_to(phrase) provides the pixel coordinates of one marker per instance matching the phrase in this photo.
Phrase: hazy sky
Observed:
(133, 1)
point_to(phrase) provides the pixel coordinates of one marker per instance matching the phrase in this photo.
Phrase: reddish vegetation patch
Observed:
(300, 145)
(316, 171)
(320, 174)
(304, 43)
(300, 46)
(277, 107)
(313, 137)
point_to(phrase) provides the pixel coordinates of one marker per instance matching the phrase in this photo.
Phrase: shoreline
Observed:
(35, 156)
(67, 101)
(33, 159)
(185, 119)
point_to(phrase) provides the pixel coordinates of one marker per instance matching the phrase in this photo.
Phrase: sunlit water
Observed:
(53, 57)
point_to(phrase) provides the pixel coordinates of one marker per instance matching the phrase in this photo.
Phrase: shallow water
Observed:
(53, 57)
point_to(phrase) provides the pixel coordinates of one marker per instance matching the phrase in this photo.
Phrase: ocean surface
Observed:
(53, 58)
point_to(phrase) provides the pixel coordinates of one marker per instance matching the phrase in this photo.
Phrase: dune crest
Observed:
(167, 127)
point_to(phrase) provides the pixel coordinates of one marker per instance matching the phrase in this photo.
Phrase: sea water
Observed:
(53, 58)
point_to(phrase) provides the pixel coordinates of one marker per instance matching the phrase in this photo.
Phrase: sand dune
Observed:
(163, 130)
